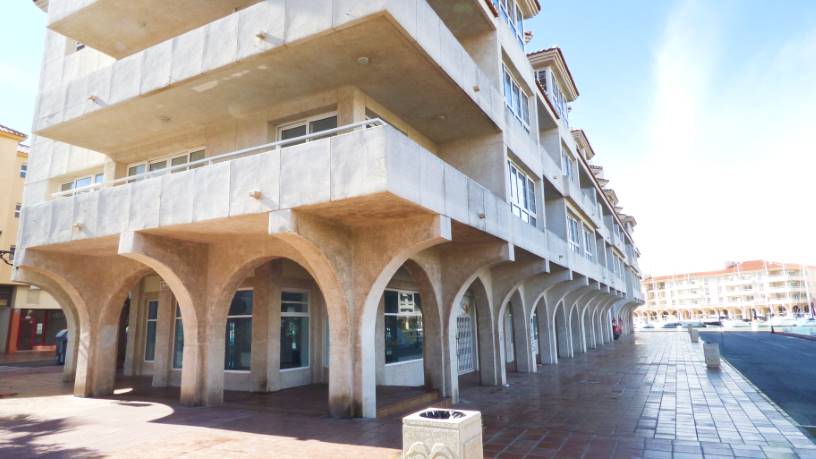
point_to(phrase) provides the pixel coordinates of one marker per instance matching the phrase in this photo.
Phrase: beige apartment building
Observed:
(261, 195)
(29, 317)
(750, 290)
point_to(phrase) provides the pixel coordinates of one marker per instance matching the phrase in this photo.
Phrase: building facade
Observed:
(29, 317)
(751, 290)
(255, 195)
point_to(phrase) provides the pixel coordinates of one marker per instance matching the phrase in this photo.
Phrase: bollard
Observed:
(442, 433)
(695, 335)
(711, 351)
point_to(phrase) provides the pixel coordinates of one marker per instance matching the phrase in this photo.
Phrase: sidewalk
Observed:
(647, 396)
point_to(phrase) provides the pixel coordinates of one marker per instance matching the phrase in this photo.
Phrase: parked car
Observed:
(672, 325)
(694, 324)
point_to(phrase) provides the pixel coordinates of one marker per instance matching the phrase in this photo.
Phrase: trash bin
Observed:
(711, 351)
(442, 433)
(695, 335)
(62, 346)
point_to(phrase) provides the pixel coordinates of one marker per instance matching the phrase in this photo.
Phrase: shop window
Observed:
(150, 339)
(238, 346)
(294, 348)
(403, 326)
(178, 340)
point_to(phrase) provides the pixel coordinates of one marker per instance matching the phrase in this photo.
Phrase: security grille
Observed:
(464, 344)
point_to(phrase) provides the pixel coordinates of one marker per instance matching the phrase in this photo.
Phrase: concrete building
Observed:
(29, 317)
(256, 195)
(746, 290)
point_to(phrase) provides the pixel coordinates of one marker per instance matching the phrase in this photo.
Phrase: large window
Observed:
(522, 194)
(511, 13)
(568, 166)
(152, 165)
(294, 349)
(238, 342)
(403, 326)
(82, 182)
(589, 243)
(308, 126)
(560, 102)
(150, 339)
(516, 99)
(178, 340)
(574, 235)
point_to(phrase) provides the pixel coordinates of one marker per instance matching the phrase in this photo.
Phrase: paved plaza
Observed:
(647, 396)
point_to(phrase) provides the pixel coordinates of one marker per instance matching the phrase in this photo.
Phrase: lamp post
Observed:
(7, 256)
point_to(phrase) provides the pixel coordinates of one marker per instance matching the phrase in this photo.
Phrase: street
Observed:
(782, 367)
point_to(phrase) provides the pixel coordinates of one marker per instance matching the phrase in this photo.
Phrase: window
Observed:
(238, 342)
(522, 195)
(541, 77)
(177, 160)
(589, 242)
(512, 15)
(568, 166)
(294, 349)
(150, 340)
(516, 99)
(574, 235)
(83, 182)
(12, 251)
(23, 170)
(178, 340)
(403, 326)
(18, 208)
(559, 101)
(324, 122)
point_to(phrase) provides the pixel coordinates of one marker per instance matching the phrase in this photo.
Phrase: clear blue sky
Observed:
(700, 111)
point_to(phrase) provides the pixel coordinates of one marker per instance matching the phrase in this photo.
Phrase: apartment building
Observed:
(259, 195)
(751, 290)
(29, 317)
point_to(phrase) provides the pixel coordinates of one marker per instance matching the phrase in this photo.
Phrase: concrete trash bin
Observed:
(711, 351)
(695, 335)
(442, 434)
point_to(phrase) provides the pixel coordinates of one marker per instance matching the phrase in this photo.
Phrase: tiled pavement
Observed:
(648, 396)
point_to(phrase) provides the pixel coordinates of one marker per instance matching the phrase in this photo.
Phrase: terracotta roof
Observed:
(743, 266)
(557, 50)
(11, 132)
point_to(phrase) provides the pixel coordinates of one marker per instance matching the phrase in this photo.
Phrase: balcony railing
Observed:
(209, 161)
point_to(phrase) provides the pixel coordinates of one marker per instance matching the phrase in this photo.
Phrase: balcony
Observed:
(119, 28)
(398, 53)
(359, 173)
(552, 170)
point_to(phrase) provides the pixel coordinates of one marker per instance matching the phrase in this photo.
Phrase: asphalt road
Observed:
(781, 366)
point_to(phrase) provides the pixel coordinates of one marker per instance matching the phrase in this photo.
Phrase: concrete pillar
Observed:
(261, 325)
(560, 340)
(135, 328)
(165, 326)
(521, 335)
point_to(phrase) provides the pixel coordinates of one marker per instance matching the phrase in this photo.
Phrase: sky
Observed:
(700, 112)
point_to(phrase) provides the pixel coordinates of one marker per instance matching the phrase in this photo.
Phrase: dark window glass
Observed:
(403, 326)
(294, 342)
(178, 344)
(238, 342)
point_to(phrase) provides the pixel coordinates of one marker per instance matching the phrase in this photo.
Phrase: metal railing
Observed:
(209, 161)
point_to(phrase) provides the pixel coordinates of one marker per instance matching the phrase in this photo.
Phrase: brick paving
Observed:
(648, 396)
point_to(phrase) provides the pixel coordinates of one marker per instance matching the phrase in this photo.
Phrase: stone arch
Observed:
(489, 373)
(518, 326)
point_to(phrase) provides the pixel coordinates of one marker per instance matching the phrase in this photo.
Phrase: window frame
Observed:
(403, 314)
(574, 237)
(168, 159)
(241, 316)
(95, 179)
(589, 238)
(520, 202)
(148, 320)
(517, 98)
(304, 122)
(307, 315)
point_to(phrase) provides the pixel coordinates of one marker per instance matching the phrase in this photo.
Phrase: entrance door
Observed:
(465, 342)
(32, 328)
